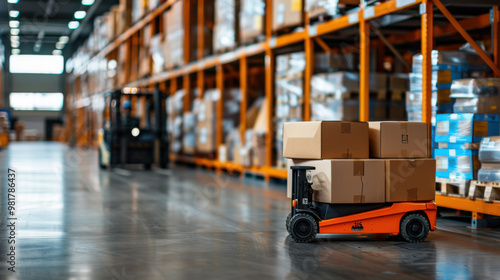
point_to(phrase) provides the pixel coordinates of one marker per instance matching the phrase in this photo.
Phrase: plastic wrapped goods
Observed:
(465, 127)
(489, 172)
(457, 163)
(489, 152)
(450, 60)
(476, 95)
(252, 16)
(226, 24)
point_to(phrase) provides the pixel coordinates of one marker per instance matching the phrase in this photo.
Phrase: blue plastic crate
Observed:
(465, 127)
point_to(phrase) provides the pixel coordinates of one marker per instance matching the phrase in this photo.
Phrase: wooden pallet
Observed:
(453, 187)
(486, 191)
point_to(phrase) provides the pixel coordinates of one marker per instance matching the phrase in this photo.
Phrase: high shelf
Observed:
(422, 25)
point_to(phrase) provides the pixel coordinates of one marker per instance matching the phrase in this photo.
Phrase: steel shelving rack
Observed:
(308, 37)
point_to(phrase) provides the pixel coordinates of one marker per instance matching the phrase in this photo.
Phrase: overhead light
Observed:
(14, 13)
(14, 44)
(16, 51)
(87, 2)
(59, 45)
(63, 39)
(12, 1)
(56, 52)
(14, 31)
(80, 14)
(14, 24)
(14, 38)
(73, 24)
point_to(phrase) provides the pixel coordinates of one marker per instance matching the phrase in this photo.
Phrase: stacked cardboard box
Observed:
(328, 8)
(174, 42)
(289, 101)
(145, 58)
(287, 14)
(489, 155)
(188, 133)
(175, 108)
(456, 156)
(335, 96)
(252, 20)
(205, 123)
(139, 9)
(358, 162)
(226, 25)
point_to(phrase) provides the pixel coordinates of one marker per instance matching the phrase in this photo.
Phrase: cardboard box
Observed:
(252, 19)
(325, 139)
(205, 137)
(399, 140)
(344, 180)
(410, 180)
(259, 156)
(287, 13)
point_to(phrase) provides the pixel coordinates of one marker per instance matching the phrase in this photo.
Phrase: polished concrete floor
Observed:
(75, 222)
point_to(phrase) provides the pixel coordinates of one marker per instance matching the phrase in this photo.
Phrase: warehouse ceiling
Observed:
(42, 23)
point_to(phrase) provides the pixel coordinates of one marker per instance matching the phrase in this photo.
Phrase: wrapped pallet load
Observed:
(174, 42)
(489, 156)
(476, 96)
(252, 20)
(322, 9)
(287, 14)
(226, 27)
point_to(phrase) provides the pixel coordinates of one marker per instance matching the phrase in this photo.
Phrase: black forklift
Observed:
(123, 140)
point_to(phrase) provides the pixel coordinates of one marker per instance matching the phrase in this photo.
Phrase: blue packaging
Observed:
(457, 163)
(465, 127)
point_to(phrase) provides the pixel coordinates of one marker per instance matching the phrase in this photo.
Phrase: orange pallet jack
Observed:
(411, 220)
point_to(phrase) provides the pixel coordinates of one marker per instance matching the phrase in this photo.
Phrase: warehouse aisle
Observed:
(77, 223)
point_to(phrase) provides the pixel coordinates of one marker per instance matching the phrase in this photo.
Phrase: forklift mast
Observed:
(301, 188)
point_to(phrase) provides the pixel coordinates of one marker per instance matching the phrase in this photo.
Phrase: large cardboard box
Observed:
(287, 13)
(205, 137)
(325, 139)
(399, 140)
(344, 180)
(410, 180)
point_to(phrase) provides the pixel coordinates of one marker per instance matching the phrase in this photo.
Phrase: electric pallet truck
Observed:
(411, 220)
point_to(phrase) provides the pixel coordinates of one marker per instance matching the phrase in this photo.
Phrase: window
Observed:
(35, 101)
(36, 64)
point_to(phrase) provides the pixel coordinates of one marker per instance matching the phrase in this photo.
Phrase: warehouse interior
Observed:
(279, 139)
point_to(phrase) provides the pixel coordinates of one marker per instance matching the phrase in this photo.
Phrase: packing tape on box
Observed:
(359, 199)
(358, 168)
(412, 194)
(345, 128)
(346, 154)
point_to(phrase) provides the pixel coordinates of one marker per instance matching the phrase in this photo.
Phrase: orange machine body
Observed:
(384, 220)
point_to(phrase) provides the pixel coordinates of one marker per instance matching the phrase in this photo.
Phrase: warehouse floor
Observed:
(77, 223)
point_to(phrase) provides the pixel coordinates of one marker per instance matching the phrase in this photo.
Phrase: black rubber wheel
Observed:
(303, 228)
(101, 165)
(147, 166)
(288, 218)
(414, 228)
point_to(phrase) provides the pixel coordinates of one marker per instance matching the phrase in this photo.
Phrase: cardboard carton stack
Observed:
(174, 42)
(175, 107)
(458, 137)
(189, 133)
(145, 58)
(289, 101)
(287, 14)
(359, 162)
(335, 96)
(139, 9)
(328, 8)
(226, 25)
(205, 123)
(489, 155)
(252, 20)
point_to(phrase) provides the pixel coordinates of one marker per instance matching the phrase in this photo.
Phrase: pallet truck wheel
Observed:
(303, 228)
(414, 228)
(288, 218)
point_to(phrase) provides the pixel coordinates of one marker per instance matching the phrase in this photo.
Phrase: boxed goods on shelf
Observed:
(399, 140)
(145, 58)
(175, 107)
(465, 127)
(226, 24)
(139, 8)
(457, 163)
(124, 16)
(174, 41)
(328, 8)
(476, 96)
(489, 155)
(287, 14)
(324, 139)
(252, 20)
(205, 125)
(156, 52)
(410, 180)
(335, 62)
(365, 180)
(188, 133)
